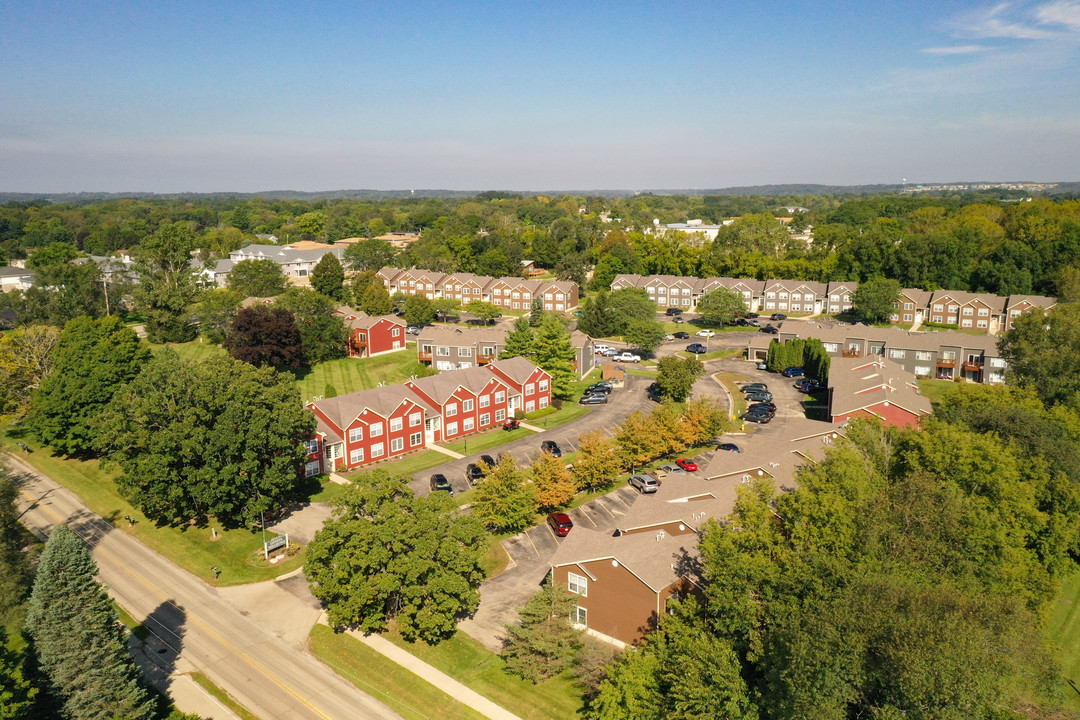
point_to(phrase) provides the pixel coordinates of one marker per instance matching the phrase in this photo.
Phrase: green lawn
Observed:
(196, 350)
(1063, 629)
(729, 381)
(714, 355)
(561, 417)
(385, 680)
(486, 440)
(407, 465)
(348, 375)
(935, 389)
(235, 552)
(468, 662)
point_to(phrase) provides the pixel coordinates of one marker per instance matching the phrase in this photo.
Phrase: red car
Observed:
(687, 465)
(560, 523)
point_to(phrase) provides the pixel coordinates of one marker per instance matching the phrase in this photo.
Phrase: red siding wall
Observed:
(381, 338)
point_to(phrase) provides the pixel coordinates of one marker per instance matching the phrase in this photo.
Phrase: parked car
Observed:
(487, 459)
(759, 418)
(599, 349)
(706, 333)
(511, 424)
(474, 473)
(806, 385)
(550, 446)
(412, 330)
(754, 387)
(681, 335)
(678, 319)
(602, 387)
(626, 357)
(597, 398)
(439, 483)
(609, 353)
(739, 322)
(660, 475)
(728, 447)
(760, 409)
(752, 315)
(696, 348)
(653, 392)
(761, 396)
(762, 366)
(687, 465)
(669, 337)
(770, 329)
(673, 311)
(672, 469)
(778, 316)
(753, 322)
(645, 483)
(560, 524)
(792, 372)
(770, 406)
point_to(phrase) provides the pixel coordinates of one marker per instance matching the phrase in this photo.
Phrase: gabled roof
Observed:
(441, 387)
(860, 383)
(461, 337)
(360, 320)
(517, 369)
(656, 563)
(343, 409)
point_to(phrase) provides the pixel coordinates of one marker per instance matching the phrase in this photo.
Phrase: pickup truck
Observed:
(626, 357)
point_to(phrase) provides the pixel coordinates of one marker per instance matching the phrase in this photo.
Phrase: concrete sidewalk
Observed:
(439, 679)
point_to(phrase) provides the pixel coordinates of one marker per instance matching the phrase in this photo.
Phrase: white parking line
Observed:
(587, 516)
(618, 496)
(606, 510)
(526, 534)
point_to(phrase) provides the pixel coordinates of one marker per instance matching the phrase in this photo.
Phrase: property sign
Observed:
(281, 541)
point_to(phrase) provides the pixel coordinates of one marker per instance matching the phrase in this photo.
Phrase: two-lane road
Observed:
(265, 674)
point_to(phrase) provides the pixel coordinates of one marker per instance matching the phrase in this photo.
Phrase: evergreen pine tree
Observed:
(536, 313)
(520, 342)
(544, 643)
(555, 354)
(78, 639)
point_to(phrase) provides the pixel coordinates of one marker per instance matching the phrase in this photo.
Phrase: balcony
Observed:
(852, 353)
(485, 358)
(424, 356)
(973, 366)
(946, 362)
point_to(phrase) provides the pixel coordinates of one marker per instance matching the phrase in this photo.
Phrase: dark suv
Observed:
(550, 446)
(439, 483)
(474, 473)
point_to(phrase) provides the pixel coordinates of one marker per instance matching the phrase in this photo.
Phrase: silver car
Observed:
(645, 483)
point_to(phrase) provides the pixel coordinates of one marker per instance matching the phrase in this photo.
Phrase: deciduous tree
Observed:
(216, 312)
(677, 376)
(78, 639)
(554, 486)
(388, 555)
(597, 464)
(418, 310)
(875, 300)
(505, 499)
(370, 254)
(266, 336)
(92, 361)
(328, 277)
(720, 306)
(483, 310)
(217, 438)
(166, 285)
(322, 330)
(256, 278)
(376, 301)
(26, 359)
(636, 440)
(1044, 352)
(644, 334)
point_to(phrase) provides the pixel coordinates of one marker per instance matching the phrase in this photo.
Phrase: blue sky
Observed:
(245, 96)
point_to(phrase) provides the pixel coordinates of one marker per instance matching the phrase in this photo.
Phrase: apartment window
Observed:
(834, 298)
(467, 405)
(783, 296)
(356, 456)
(377, 450)
(922, 370)
(770, 295)
(997, 362)
(485, 419)
(500, 415)
(375, 429)
(544, 401)
(908, 317)
(530, 406)
(311, 447)
(894, 318)
(984, 312)
(442, 351)
(937, 318)
(516, 295)
(981, 324)
(356, 435)
(796, 296)
(464, 352)
(414, 439)
(948, 355)
(580, 616)
(651, 291)
(909, 306)
(897, 354)
(468, 424)
(966, 323)
(831, 347)
(451, 429)
(974, 359)
(397, 444)
(995, 377)
(953, 309)
(415, 419)
(500, 397)
(530, 388)
(939, 307)
(396, 332)
(543, 385)
(498, 291)
(969, 311)
(485, 400)
(451, 410)
(924, 355)
(577, 584)
(526, 296)
(1015, 313)
(311, 469)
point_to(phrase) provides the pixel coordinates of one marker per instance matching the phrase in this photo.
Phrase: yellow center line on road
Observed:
(187, 614)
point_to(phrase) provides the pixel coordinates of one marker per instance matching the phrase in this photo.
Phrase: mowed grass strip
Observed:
(474, 666)
(234, 552)
(348, 375)
(385, 680)
(1063, 629)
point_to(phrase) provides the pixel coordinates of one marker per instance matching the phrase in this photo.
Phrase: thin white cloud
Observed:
(1065, 12)
(1054, 20)
(955, 50)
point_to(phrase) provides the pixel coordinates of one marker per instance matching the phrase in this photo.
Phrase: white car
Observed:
(599, 349)
(705, 333)
(626, 357)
